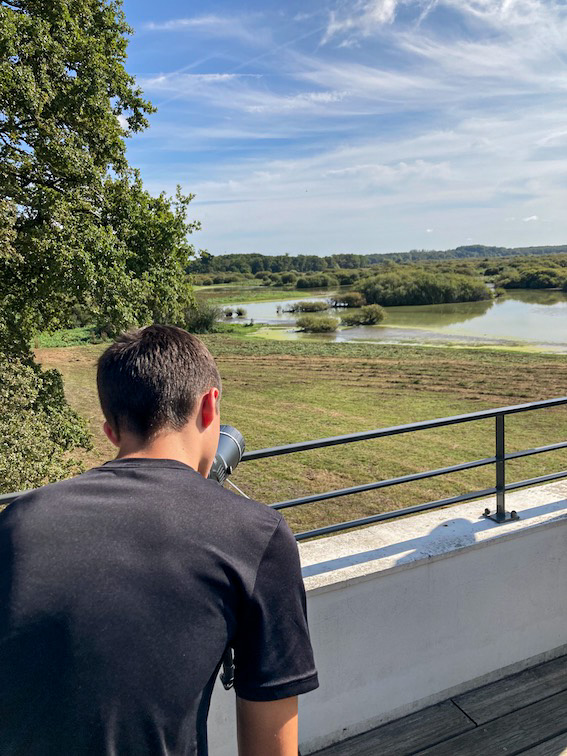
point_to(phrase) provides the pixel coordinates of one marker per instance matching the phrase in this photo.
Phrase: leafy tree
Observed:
(77, 227)
(36, 426)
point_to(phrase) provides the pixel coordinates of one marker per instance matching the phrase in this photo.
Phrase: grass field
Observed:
(237, 294)
(281, 392)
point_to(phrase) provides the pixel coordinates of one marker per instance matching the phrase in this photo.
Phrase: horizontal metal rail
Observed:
(499, 460)
(383, 483)
(349, 438)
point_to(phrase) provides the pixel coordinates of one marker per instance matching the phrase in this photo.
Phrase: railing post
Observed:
(500, 469)
(501, 515)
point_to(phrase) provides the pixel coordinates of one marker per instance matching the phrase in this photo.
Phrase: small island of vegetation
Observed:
(416, 287)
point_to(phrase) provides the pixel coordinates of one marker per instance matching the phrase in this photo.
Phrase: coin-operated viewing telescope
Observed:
(229, 453)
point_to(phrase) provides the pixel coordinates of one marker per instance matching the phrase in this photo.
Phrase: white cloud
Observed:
(123, 122)
(390, 173)
(212, 26)
(416, 130)
(271, 103)
(364, 17)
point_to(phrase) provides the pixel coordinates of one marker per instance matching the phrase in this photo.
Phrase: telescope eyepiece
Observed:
(229, 453)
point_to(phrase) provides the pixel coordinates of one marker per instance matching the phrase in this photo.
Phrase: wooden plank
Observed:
(514, 692)
(512, 734)
(407, 735)
(554, 747)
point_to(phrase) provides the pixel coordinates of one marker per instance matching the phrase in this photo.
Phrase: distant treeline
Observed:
(256, 263)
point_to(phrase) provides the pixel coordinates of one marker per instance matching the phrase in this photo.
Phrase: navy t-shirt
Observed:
(120, 590)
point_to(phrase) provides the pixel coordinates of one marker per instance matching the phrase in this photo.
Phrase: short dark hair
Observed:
(150, 379)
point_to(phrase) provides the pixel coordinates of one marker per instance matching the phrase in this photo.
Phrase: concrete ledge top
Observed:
(397, 544)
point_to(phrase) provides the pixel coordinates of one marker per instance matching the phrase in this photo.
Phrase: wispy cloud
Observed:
(212, 26)
(362, 18)
(366, 17)
(411, 116)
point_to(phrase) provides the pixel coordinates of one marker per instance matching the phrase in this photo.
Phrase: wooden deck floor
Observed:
(525, 714)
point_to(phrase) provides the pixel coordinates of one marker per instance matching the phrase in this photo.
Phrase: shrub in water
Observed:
(228, 312)
(202, 318)
(368, 315)
(350, 299)
(241, 312)
(315, 306)
(317, 323)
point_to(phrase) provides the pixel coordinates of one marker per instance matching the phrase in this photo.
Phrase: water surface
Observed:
(534, 318)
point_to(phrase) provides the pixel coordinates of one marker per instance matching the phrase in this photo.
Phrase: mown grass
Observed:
(281, 392)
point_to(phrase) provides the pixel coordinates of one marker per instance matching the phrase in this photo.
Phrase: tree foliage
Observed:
(532, 277)
(37, 426)
(77, 227)
(344, 264)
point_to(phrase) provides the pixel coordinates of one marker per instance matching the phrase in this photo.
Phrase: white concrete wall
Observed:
(408, 613)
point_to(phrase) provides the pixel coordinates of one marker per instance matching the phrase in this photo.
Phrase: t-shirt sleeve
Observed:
(272, 650)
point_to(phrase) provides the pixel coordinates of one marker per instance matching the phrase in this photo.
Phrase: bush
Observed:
(368, 315)
(37, 427)
(241, 312)
(532, 278)
(289, 278)
(228, 312)
(316, 281)
(347, 277)
(317, 323)
(417, 287)
(314, 306)
(350, 299)
(202, 318)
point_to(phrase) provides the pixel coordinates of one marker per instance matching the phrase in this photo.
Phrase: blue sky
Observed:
(361, 126)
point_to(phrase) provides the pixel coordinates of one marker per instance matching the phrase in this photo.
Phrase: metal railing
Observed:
(499, 460)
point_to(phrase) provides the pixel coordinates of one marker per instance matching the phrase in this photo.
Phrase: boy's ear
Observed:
(111, 435)
(209, 406)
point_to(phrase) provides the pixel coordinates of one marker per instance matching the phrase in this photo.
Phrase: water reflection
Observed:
(532, 317)
(437, 316)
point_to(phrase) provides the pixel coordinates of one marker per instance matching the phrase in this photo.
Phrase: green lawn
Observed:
(281, 392)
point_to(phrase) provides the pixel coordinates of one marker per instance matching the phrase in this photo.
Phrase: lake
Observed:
(525, 318)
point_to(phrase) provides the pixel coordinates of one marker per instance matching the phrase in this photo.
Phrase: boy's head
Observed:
(151, 381)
